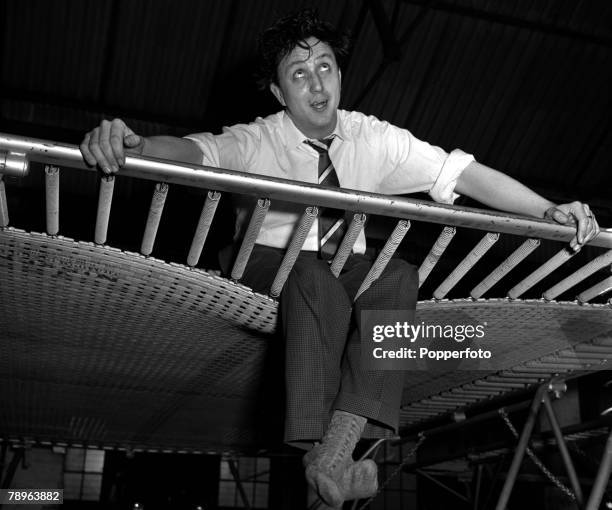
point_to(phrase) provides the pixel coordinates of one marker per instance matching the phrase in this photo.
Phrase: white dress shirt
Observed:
(368, 155)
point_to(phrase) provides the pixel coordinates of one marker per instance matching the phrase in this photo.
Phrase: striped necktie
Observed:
(332, 226)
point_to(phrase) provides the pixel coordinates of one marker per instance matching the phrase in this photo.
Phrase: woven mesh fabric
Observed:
(529, 339)
(110, 348)
(135, 350)
(517, 331)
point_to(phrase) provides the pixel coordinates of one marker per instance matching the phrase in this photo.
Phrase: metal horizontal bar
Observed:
(521, 373)
(422, 412)
(513, 377)
(484, 383)
(592, 349)
(429, 406)
(474, 390)
(447, 399)
(411, 410)
(545, 372)
(465, 394)
(311, 194)
(416, 417)
(412, 414)
(567, 358)
(558, 365)
(582, 357)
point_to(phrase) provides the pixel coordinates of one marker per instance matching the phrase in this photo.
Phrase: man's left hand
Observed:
(576, 214)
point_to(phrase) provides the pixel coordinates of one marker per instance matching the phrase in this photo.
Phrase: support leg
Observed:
(603, 475)
(567, 460)
(521, 448)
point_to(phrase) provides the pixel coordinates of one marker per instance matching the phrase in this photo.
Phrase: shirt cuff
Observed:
(443, 189)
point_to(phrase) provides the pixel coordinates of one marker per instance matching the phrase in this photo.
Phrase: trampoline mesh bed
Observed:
(114, 349)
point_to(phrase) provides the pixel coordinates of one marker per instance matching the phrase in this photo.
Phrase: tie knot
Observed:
(320, 146)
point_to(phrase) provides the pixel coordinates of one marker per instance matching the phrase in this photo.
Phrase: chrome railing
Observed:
(16, 153)
(58, 154)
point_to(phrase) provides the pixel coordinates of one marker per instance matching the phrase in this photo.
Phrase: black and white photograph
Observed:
(306, 255)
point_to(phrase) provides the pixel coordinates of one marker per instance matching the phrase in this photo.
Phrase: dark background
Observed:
(524, 85)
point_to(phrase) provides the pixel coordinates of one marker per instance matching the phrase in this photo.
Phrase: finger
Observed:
(596, 228)
(582, 216)
(94, 147)
(593, 225)
(589, 224)
(575, 245)
(117, 131)
(593, 231)
(87, 155)
(131, 139)
(105, 145)
(557, 215)
(560, 217)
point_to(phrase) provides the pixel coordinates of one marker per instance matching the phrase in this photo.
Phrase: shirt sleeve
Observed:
(413, 165)
(232, 149)
(207, 145)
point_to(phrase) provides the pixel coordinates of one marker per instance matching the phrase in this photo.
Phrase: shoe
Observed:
(330, 469)
(314, 502)
(360, 480)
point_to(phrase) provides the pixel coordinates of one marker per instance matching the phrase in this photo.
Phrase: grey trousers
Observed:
(321, 328)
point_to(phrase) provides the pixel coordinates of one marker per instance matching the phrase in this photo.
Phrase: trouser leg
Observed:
(323, 370)
(376, 394)
(315, 314)
(319, 316)
(315, 318)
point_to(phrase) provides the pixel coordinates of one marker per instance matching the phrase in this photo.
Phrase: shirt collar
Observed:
(295, 138)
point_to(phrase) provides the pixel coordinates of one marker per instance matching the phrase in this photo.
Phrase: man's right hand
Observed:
(107, 145)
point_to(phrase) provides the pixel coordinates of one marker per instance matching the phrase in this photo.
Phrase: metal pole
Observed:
(4, 217)
(603, 475)
(236, 475)
(52, 184)
(565, 455)
(440, 484)
(18, 456)
(311, 194)
(478, 482)
(155, 212)
(520, 449)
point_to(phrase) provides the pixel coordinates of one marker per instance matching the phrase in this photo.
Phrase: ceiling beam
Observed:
(515, 21)
(391, 47)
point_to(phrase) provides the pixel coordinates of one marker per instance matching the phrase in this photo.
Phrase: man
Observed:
(330, 398)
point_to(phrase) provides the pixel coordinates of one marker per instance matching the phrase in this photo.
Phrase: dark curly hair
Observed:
(281, 38)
